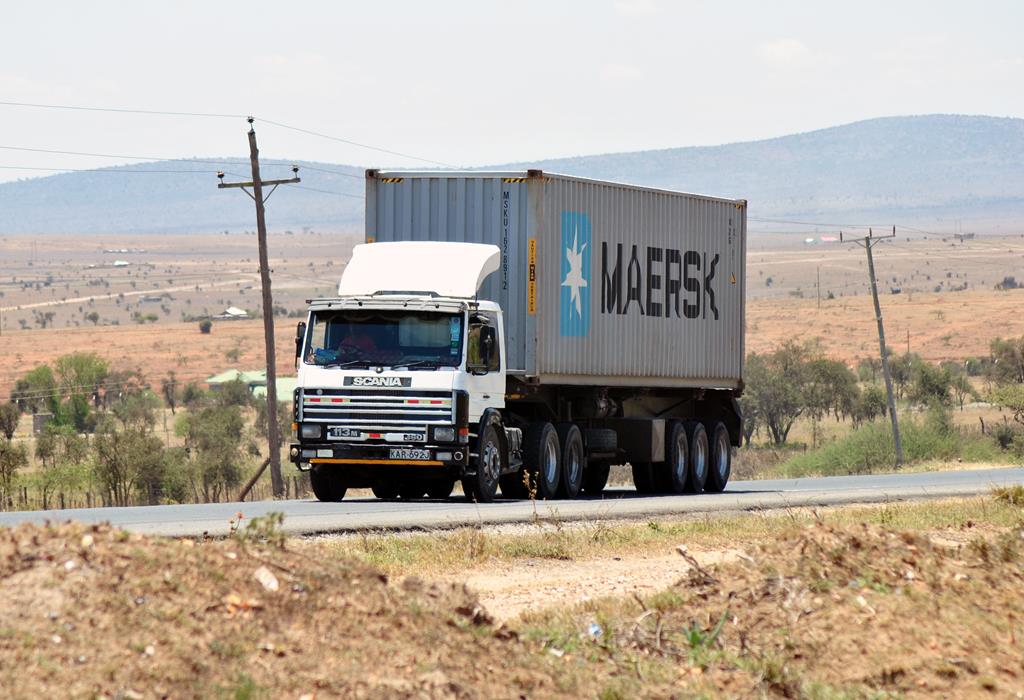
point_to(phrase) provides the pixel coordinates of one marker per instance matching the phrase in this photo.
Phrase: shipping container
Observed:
(602, 284)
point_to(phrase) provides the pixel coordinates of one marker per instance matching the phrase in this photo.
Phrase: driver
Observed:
(357, 339)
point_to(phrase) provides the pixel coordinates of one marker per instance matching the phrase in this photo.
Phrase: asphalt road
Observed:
(307, 517)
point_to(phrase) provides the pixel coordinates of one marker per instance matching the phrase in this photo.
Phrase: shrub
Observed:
(870, 447)
(205, 326)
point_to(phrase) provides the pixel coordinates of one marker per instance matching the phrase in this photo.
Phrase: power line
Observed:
(353, 143)
(343, 194)
(121, 110)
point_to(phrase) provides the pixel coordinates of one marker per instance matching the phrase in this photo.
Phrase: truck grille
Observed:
(378, 407)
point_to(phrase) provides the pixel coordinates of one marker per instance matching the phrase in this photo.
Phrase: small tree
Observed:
(169, 389)
(1007, 360)
(214, 439)
(205, 326)
(284, 418)
(775, 383)
(234, 393)
(62, 453)
(126, 459)
(137, 411)
(12, 458)
(929, 383)
(10, 414)
(192, 395)
(871, 403)
(37, 391)
(93, 317)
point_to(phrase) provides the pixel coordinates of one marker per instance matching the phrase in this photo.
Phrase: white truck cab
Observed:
(395, 370)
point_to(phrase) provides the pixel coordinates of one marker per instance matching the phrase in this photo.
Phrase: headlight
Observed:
(444, 434)
(311, 430)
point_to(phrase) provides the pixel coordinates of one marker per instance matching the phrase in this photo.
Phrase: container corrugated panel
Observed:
(634, 286)
(488, 208)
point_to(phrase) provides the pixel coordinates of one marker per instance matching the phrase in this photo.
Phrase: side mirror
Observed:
(488, 338)
(300, 335)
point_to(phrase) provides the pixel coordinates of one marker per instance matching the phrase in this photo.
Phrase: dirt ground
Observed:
(817, 611)
(509, 590)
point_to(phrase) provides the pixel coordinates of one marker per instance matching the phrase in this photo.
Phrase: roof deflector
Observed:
(447, 269)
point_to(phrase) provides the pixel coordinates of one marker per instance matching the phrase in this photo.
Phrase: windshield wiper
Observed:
(348, 363)
(432, 364)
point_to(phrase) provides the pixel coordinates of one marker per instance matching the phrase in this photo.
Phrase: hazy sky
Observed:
(470, 83)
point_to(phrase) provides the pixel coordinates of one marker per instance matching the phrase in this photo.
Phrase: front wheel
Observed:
(385, 490)
(491, 459)
(327, 484)
(440, 490)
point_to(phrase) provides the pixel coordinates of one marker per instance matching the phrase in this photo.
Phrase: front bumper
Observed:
(304, 455)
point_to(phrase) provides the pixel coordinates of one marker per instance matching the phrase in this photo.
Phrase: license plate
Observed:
(405, 453)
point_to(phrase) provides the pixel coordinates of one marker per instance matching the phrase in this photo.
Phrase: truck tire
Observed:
(385, 490)
(327, 484)
(721, 459)
(441, 489)
(602, 440)
(513, 485)
(412, 490)
(542, 456)
(643, 477)
(574, 459)
(595, 478)
(698, 438)
(482, 487)
(674, 473)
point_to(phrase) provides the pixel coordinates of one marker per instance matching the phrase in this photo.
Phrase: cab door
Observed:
(485, 363)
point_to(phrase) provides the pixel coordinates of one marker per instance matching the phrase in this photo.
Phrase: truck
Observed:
(521, 333)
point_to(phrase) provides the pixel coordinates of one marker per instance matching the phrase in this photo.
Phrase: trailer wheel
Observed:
(643, 477)
(385, 490)
(595, 478)
(440, 489)
(674, 473)
(327, 484)
(699, 456)
(542, 457)
(721, 459)
(491, 460)
(573, 460)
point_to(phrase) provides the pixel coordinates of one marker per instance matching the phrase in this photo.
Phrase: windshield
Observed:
(354, 338)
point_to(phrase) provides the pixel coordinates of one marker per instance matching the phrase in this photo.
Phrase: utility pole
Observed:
(867, 242)
(257, 184)
(819, 286)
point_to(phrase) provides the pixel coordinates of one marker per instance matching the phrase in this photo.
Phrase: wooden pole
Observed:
(257, 184)
(867, 242)
(252, 480)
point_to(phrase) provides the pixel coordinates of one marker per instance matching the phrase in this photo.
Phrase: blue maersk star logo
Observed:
(574, 304)
(574, 280)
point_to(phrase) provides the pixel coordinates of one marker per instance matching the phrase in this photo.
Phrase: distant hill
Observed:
(919, 170)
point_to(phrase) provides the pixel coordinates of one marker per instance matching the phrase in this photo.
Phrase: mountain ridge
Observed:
(924, 170)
